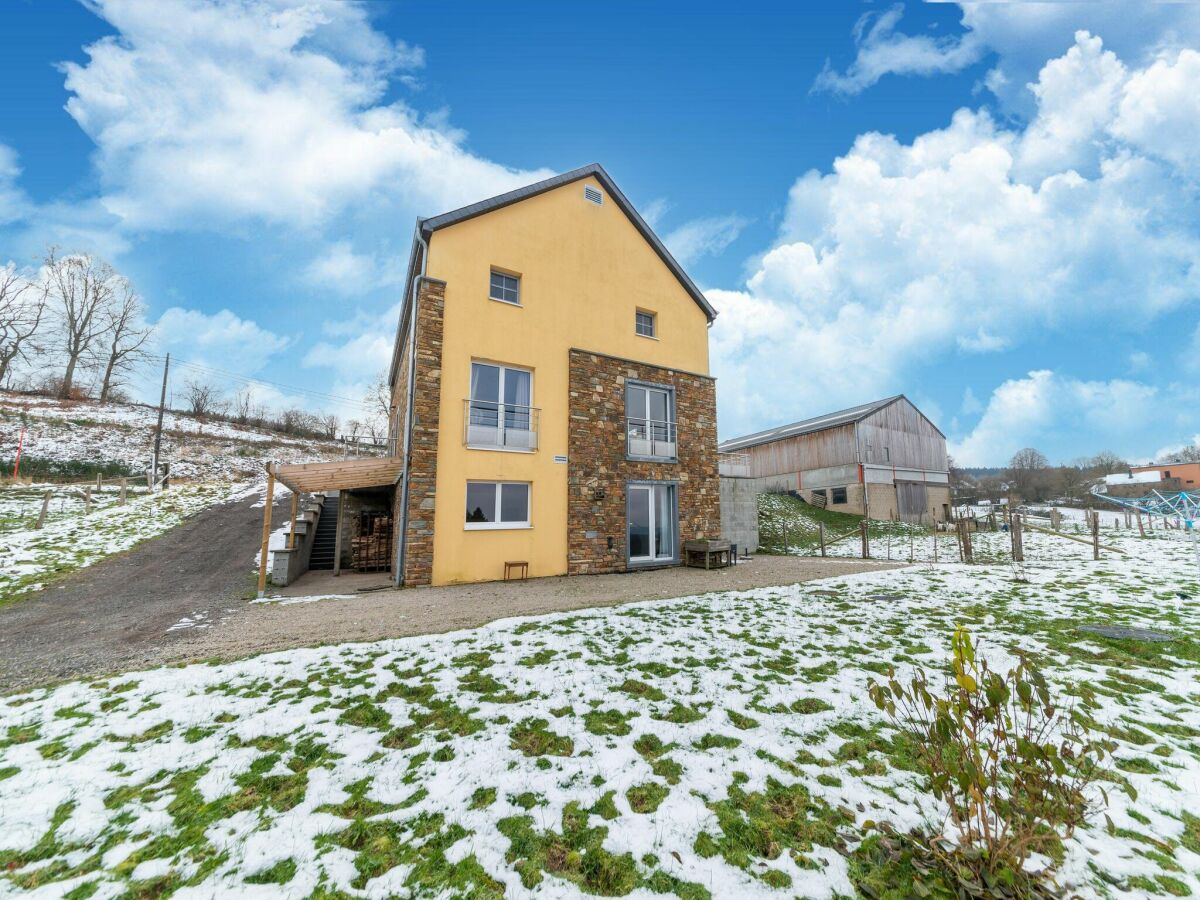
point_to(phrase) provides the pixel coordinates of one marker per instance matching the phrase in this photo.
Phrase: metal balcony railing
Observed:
(651, 438)
(736, 465)
(500, 426)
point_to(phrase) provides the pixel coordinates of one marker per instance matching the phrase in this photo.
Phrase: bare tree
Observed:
(1106, 463)
(329, 425)
(1027, 473)
(81, 287)
(243, 405)
(22, 307)
(126, 336)
(203, 398)
(379, 406)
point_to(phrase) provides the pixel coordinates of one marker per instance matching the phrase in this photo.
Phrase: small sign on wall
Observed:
(561, 460)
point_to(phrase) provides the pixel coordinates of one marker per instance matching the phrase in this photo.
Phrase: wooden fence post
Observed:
(1141, 524)
(266, 532)
(1096, 537)
(1018, 547)
(866, 541)
(99, 483)
(41, 519)
(935, 543)
(821, 536)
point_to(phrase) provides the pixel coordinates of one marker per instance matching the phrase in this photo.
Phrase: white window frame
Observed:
(498, 525)
(653, 323)
(516, 278)
(501, 407)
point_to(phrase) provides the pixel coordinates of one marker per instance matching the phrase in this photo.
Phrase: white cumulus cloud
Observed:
(968, 239)
(703, 237)
(213, 112)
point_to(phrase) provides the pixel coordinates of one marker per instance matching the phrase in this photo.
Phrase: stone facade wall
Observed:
(422, 467)
(597, 469)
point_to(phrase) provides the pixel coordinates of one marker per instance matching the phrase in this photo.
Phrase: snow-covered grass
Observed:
(21, 504)
(29, 559)
(122, 433)
(720, 745)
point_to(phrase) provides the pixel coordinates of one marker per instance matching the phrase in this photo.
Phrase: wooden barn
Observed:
(885, 459)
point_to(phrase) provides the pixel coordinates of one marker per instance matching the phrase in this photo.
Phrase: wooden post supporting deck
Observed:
(337, 538)
(266, 531)
(292, 530)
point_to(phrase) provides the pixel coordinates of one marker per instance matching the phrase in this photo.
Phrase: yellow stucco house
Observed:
(551, 396)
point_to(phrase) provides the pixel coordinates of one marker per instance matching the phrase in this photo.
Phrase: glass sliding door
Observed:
(652, 522)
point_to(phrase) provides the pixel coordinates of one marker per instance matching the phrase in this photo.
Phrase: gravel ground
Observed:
(390, 613)
(119, 613)
(182, 598)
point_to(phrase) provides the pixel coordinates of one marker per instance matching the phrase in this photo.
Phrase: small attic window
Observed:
(592, 195)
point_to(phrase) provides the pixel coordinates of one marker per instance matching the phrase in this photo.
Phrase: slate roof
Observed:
(808, 426)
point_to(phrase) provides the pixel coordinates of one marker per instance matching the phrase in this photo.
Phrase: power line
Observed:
(224, 373)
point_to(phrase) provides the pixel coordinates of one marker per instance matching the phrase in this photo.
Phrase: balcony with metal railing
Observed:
(735, 465)
(651, 439)
(488, 425)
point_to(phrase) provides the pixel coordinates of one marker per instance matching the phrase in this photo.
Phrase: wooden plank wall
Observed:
(911, 441)
(832, 447)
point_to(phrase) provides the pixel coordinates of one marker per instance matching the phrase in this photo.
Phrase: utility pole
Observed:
(162, 402)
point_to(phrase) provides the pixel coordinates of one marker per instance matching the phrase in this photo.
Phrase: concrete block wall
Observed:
(289, 563)
(739, 512)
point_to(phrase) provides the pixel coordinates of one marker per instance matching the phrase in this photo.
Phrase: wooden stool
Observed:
(510, 567)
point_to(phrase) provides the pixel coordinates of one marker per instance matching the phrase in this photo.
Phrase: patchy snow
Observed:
(75, 541)
(314, 598)
(418, 767)
(196, 448)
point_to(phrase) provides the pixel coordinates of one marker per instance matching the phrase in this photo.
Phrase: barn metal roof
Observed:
(808, 426)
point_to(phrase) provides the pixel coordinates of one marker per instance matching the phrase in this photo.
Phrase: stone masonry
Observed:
(422, 467)
(598, 469)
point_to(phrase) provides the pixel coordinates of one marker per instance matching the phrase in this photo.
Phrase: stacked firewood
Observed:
(371, 543)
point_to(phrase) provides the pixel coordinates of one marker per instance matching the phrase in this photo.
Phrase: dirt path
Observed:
(117, 614)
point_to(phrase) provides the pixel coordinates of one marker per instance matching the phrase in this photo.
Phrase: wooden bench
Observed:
(516, 566)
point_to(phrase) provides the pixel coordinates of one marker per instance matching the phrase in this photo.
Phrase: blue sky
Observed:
(991, 208)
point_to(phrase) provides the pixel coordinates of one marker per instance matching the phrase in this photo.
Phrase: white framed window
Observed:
(497, 504)
(499, 415)
(644, 323)
(505, 288)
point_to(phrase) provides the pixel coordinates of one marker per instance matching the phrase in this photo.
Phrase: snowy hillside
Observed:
(197, 449)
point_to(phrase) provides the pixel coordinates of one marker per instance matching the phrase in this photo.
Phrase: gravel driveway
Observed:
(118, 614)
(184, 597)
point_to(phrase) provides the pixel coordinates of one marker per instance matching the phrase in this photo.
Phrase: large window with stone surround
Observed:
(497, 504)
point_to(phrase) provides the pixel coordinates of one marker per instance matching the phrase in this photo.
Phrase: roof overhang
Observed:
(341, 475)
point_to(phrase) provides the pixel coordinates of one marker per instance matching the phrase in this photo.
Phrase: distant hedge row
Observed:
(57, 470)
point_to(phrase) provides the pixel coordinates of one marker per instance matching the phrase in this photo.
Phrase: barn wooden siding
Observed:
(821, 449)
(911, 440)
